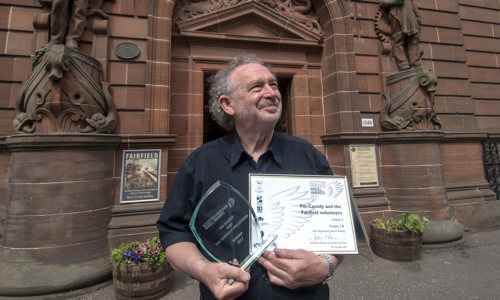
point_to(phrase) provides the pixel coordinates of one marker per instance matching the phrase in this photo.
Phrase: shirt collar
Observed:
(275, 149)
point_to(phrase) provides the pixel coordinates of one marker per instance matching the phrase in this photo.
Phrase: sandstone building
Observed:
(426, 114)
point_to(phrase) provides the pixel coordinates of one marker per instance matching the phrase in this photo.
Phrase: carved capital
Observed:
(65, 93)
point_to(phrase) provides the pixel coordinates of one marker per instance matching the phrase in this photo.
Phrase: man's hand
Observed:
(216, 275)
(295, 268)
(186, 257)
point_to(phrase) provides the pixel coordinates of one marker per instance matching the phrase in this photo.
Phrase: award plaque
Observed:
(226, 227)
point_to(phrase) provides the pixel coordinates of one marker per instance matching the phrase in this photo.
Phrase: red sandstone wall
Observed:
(481, 34)
(461, 42)
(128, 22)
(16, 48)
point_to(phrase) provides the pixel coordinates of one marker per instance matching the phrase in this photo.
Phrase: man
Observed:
(244, 98)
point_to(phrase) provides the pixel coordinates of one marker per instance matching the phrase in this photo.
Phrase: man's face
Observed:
(256, 99)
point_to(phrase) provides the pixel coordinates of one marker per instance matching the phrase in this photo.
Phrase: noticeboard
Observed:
(363, 165)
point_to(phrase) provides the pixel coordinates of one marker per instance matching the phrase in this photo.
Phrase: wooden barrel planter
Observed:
(396, 245)
(142, 281)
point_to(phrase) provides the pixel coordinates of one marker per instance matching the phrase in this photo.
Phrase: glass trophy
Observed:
(226, 227)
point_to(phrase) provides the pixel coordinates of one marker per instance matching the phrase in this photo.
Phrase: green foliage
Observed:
(149, 252)
(408, 222)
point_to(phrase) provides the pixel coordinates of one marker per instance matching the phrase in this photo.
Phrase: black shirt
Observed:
(226, 160)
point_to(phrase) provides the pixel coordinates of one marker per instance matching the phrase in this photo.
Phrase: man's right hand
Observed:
(216, 275)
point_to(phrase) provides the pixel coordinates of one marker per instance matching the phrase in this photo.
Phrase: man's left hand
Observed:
(295, 268)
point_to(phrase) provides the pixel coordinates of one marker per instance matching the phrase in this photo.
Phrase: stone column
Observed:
(412, 171)
(60, 195)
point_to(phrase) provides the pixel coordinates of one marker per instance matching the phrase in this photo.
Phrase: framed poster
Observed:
(140, 176)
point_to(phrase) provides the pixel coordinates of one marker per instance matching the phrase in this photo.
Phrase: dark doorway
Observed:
(211, 130)
(285, 123)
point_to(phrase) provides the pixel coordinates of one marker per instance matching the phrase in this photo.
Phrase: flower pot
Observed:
(396, 245)
(142, 281)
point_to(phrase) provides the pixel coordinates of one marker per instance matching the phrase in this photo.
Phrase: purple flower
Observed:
(142, 252)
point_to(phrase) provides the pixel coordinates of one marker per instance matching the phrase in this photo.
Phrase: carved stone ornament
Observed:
(65, 94)
(409, 101)
(299, 11)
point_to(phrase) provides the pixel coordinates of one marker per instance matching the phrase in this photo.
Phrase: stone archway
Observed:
(331, 81)
(340, 95)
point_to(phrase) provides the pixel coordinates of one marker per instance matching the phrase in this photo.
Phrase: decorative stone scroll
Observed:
(299, 11)
(65, 93)
(409, 101)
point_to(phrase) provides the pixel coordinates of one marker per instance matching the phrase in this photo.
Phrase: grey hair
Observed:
(221, 84)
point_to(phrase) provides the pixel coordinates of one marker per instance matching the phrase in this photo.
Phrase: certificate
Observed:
(305, 212)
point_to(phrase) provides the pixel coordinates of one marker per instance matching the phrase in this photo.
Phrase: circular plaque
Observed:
(127, 50)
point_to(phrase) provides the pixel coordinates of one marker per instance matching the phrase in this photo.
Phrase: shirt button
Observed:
(265, 277)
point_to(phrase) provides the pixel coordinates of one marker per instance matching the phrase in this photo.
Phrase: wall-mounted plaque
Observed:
(363, 165)
(140, 176)
(127, 50)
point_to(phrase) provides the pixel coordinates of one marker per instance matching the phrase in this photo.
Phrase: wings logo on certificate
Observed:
(306, 212)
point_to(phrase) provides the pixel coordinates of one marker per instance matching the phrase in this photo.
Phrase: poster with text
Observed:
(140, 176)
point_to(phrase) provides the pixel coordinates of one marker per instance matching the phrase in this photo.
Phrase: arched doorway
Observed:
(319, 67)
(201, 45)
